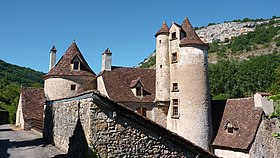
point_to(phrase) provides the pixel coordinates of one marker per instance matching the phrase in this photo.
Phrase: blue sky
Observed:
(29, 28)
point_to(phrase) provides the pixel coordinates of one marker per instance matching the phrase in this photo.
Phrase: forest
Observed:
(12, 77)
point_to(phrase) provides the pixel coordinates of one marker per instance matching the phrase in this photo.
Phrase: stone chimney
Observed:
(106, 60)
(52, 57)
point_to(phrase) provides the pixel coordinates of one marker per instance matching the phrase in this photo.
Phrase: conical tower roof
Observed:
(64, 65)
(163, 30)
(191, 36)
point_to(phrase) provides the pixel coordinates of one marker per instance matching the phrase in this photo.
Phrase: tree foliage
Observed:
(232, 78)
(11, 78)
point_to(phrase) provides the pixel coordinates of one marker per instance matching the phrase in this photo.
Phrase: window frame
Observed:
(175, 87)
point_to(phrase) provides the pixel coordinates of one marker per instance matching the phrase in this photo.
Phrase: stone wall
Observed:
(112, 130)
(265, 145)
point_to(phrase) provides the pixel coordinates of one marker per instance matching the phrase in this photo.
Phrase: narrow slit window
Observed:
(175, 102)
(173, 35)
(174, 58)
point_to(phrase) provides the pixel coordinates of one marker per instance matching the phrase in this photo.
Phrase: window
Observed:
(76, 65)
(175, 102)
(175, 111)
(160, 66)
(141, 111)
(138, 91)
(73, 87)
(175, 87)
(173, 35)
(159, 41)
(174, 58)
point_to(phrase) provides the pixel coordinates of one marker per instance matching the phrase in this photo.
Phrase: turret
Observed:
(162, 64)
(52, 57)
(190, 112)
(106, 60)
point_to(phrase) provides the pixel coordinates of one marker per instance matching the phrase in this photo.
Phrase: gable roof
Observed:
(191, 36)
(243, 115)
(118, 81)
(163, 30)
(140, 121)
(64, 68)
(33, 100)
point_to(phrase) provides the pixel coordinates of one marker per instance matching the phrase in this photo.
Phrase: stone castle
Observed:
(181, 102)
(175, 114)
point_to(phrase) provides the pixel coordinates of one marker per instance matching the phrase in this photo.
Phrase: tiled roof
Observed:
(64, 68)
(119, 79)
(245, 119)
(33, 100)
(163, 30)
(191, 36)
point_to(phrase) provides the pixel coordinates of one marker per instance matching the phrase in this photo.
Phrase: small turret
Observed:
(162, 64)
(106, 60)
(52, 57)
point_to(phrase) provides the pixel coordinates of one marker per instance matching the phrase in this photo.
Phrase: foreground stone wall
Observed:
(265, 145)
(111, 130)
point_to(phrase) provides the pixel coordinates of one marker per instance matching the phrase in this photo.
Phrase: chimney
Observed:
(106, 60)
(52, 57)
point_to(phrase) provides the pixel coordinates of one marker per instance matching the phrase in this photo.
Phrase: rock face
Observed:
(265, 145)
(91, 123)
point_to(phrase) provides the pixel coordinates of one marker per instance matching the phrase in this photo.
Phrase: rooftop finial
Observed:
(74, 40)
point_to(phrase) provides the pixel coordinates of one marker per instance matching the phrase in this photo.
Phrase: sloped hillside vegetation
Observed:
(12, 77)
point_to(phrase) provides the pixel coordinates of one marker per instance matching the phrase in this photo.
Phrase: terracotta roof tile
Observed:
(191, 36)
(244, 118)
(119, 79)
(163, 30)
(33, 100)
(64, 68)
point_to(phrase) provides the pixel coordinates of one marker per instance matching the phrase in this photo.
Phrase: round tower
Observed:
(70, 76)
(190, 112)
(162, 64)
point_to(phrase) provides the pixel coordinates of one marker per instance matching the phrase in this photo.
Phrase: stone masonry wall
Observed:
(113, 131)
(266, 146)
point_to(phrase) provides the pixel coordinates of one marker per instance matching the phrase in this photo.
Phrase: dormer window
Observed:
(137, 87)
(139, 91)
(76, 63)
(230, 128)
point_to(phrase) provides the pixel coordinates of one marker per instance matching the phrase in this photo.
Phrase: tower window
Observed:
(173, 35)
(175, 102)
(159, 41)
(73, 87)
(141, 111)
(76, 65)
(160, 66)
(175, 111)
(174, 58)
(175, 87)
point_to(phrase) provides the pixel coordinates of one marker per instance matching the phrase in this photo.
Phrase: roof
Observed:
(140, 120)
(191, 36)
(245, 118)
(64, 68)
(33, 100)
(107, 51)
(118, 83)
(163, 30)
